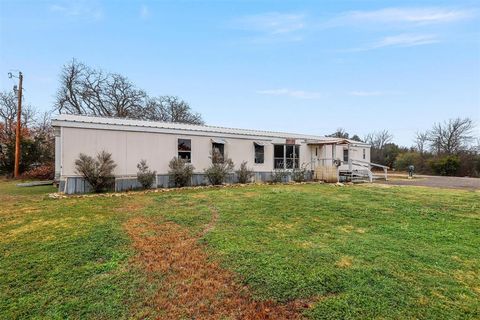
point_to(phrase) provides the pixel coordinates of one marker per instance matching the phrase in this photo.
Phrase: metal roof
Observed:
(68, 120)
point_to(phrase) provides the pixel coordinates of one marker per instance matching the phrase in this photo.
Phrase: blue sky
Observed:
(299, 66)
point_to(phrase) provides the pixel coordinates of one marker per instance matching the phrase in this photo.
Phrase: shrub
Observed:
(405, 159)
(97, 172)
(220, 169)
(145, 176)
(180, 172)
(244, 174)
(445, 166)
(280, 175)
(469, 164)
(43, 172)
(298, 174)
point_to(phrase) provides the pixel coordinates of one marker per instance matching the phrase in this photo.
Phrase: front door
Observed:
(315, 151)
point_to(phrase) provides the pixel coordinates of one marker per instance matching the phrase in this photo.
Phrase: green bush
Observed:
(446, 165)
(244, 174)
(469, 164)
(97, 172)
(180, 172)
(220, 169)
(145, 176)
(405, 159)
(298, 174)
(280, 175)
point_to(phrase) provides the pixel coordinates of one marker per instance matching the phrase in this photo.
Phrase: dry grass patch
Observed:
(194, 287)
(344, 262)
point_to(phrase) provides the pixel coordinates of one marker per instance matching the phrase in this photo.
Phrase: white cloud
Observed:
(144, 12)
(300, 94)
(360, 93)
(273, 26)
(78, 9)
(405, 40)
(415, 16)
(398, 41)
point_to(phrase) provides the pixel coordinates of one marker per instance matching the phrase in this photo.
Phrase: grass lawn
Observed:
(355, 252)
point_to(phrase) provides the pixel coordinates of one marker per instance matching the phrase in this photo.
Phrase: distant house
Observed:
(129, 141)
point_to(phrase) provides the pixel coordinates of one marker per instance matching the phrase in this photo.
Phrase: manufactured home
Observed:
(130, 141)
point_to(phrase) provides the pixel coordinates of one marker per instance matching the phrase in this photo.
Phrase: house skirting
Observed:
(77, 185)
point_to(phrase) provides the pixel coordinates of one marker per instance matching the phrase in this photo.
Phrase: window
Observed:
(297, 157)
(278, 156)
(220, 148)
(345, 155)
(259, 153)
(286, 156)
(185, 149)
(364, 154)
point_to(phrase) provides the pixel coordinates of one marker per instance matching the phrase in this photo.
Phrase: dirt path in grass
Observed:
(192, 286)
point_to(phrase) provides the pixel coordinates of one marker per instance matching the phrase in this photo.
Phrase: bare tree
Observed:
(87, 91)
(421, 140)
(8, 112)
(37, 136)
(452, 136)
(171, 109)
(476, 145)
(378, 139)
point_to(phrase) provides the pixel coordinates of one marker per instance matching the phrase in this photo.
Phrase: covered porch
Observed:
(342, 160)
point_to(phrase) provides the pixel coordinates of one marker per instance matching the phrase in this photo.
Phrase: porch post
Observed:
(349, 158)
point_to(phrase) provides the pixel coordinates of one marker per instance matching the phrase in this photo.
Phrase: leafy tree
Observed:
(145, 176)
(180, 172)
(356, 138)
(405, 159)
(446, 165)
(469, 164)
(340, 133)
(97, 172)
(390, 153)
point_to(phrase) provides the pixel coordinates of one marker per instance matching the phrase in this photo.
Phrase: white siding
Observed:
(129, 147)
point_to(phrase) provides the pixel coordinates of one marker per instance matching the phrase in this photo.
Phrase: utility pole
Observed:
(19, 127)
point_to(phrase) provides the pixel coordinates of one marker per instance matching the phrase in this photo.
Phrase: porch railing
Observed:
(351, 163)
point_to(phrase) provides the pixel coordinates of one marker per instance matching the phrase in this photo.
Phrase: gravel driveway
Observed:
(434, 181)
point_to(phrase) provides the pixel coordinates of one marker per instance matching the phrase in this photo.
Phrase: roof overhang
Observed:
(338, 142)
(90, 122)
(219, 141)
